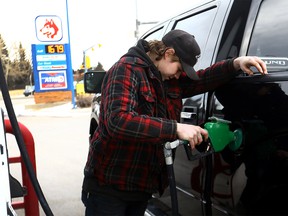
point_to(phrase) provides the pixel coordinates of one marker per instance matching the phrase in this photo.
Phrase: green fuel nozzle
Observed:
(221, 136)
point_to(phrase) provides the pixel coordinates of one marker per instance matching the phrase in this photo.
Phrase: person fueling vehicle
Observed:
(142, 98)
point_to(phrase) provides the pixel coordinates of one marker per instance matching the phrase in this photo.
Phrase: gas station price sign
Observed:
(50, 57)
(54, 49)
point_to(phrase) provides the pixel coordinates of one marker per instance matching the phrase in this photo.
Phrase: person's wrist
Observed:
(178, 129)
(236, 64)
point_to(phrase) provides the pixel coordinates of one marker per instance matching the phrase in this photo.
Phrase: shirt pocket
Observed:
(174, 105)
(146, 104)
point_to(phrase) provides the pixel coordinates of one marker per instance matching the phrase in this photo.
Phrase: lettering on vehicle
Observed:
(275, 62)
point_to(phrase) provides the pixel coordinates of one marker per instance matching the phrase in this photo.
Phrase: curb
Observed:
(44, 105)
(51, 110)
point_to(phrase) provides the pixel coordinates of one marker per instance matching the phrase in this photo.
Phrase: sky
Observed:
(111, 23)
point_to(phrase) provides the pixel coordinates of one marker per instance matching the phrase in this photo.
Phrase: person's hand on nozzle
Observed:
(194, 134)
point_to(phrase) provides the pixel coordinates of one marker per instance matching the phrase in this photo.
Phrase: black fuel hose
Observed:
(173, 190)
(21, 143)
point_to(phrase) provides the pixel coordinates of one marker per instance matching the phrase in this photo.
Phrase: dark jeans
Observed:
(99, 204)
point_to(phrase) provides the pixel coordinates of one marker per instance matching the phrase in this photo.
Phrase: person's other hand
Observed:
(246, 62)
(194, 134)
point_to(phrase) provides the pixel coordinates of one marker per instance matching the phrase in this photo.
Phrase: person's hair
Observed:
(157, 50)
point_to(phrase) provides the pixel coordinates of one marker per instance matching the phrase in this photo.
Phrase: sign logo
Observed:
(48, 28)
(53, 80)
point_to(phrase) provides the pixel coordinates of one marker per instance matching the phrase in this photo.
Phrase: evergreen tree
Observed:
(4, 55)
(99, 67)
(3, 50)
(21, 74)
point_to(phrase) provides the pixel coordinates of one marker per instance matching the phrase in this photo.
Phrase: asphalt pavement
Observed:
(50, 109)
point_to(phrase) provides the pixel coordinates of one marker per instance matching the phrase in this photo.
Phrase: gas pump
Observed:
(5, 202)
(5, 196)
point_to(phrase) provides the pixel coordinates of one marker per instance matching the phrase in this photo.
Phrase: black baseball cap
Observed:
(186, 48)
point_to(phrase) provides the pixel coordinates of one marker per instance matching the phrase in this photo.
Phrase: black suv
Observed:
(253, 179)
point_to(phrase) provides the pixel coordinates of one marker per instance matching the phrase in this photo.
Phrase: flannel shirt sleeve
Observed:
(210, 78)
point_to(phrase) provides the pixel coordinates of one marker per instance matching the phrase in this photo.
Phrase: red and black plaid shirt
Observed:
(138, 114)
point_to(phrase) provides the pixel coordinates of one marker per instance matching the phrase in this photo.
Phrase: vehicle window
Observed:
(269, 37)
(198, 25)
(234, 28)
(155, 35)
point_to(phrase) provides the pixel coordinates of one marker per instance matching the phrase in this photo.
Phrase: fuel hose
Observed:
(21, 143)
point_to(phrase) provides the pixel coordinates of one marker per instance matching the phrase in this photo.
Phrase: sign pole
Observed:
(69, 65)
